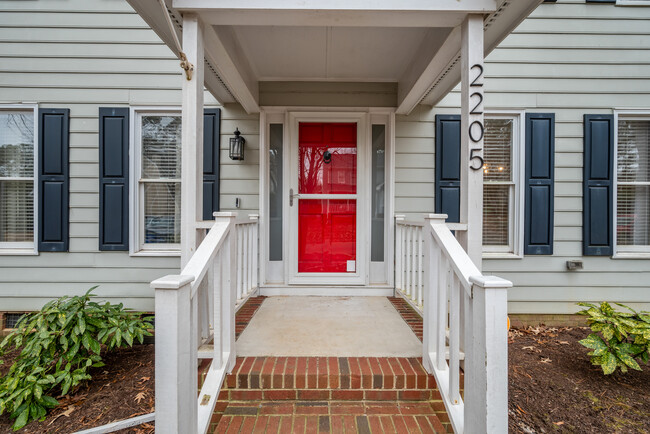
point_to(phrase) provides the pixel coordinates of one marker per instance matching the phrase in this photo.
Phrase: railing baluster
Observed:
(454, 341)
(255, 250)
(441, 363)
(250, 259)
(420, 270)
(407, 249)
(217, 323)
(239, 261)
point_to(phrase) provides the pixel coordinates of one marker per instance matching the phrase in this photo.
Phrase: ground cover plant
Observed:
(620, 339)
(58, 345)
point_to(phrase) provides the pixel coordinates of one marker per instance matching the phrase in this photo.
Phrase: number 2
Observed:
(480, 74)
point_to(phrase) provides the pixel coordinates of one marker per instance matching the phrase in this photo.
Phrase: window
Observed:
(500, 184)
(17, 180)
(633, 184)
(157, 222)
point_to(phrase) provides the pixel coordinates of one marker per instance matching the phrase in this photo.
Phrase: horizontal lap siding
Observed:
(571, 59)
(83, 55)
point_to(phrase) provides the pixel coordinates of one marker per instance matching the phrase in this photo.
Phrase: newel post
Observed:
(486, 378)
(176, 386)
(429, 307)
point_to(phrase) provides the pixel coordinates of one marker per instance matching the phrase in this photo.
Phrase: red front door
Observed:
(327, 215)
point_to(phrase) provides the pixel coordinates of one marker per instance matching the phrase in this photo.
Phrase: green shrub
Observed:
(58, 346)
(620, 339)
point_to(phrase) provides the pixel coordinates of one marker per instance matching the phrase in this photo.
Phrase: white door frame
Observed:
(274, 278)
(360, 275)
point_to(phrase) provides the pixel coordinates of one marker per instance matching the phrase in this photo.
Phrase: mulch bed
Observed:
(122, 389)
(554, 388)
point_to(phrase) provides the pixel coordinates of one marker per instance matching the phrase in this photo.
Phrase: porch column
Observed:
(472, 129)
(192, 137)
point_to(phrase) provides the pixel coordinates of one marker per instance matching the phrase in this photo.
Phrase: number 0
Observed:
(472, 134)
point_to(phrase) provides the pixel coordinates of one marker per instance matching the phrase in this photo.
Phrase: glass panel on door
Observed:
(327, 236)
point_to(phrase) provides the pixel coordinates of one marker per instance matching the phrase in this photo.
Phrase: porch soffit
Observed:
(414, 43)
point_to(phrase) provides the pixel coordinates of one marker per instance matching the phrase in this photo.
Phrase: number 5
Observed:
(473, 157)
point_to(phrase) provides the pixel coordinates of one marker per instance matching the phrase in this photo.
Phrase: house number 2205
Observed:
(476, 129)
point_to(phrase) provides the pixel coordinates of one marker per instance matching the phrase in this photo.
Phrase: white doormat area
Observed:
(328, 326)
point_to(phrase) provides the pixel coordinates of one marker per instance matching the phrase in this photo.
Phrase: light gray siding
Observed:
(569, 58)
(83, 55)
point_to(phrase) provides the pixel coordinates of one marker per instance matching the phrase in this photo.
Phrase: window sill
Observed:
(501, 255)
(18, 252)
(153, 253)
(631, 255)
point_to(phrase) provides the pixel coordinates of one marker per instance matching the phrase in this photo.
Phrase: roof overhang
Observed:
(414, 43)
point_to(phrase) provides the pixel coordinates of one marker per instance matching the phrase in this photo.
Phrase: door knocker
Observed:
(327, 157)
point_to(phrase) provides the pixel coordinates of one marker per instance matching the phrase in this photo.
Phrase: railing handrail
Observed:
(204, 255)
(402, 222)
(460, 261)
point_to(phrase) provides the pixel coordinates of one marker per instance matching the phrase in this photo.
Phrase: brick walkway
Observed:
(330, 394)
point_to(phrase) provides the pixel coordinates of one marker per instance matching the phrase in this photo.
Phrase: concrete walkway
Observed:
(328, 326)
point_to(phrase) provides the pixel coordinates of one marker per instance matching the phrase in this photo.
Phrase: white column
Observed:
(176, 385)
(192, 142)
(471, 142)
(486, 380)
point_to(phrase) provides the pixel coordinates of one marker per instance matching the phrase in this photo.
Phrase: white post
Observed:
(471, 137)
(176, 385)
(399, 255)
(487, 380)
(431, 272)
(192, 137)
(226, 295)
(256, 249)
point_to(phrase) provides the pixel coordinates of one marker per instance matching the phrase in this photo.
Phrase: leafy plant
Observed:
(621, 339)
(58, 345)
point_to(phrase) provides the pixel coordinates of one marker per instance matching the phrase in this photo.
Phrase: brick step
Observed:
(328, 416)
(329, 373)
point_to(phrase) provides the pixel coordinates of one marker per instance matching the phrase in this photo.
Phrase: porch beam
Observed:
(192, 137)
(226, 56)
(412, 88)
(467, 6)
(337, 18)
(471, 137)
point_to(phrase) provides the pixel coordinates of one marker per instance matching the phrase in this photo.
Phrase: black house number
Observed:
(476, 129)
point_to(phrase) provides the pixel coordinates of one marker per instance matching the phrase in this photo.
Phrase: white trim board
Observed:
(328, 291)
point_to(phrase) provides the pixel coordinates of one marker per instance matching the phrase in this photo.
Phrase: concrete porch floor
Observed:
(328, 326)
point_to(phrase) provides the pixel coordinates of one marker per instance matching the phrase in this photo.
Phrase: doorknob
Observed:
(291, 196)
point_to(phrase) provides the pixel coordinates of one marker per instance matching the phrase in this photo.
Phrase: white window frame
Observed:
(515, 247)
(137, 246)
(642, 252)
(25, 248)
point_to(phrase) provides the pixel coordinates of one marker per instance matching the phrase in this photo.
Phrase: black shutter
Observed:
(540, 169)
(448, 166)
(113, 178)
(211, 133)
(53, 179)
(598, 192)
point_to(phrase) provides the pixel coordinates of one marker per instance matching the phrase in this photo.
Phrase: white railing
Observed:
(195, 308)
(409, 275)
(465, 320)
(247, 255)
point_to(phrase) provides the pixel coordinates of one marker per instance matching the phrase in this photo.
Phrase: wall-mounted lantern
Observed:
(237, 146)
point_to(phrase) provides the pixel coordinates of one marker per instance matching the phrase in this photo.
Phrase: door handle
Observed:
(292, 195)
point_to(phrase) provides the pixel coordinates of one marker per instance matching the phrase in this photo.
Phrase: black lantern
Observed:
(237, 146)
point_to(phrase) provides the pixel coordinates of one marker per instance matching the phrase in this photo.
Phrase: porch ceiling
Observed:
(414, 43)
